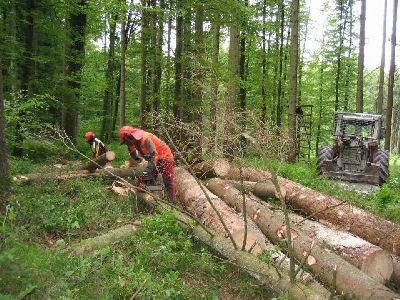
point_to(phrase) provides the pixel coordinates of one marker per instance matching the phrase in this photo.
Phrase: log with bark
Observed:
(268, 275)
(40, 178)
(369, 227)
(108, 238)
(193, 198)
(99, 162)
(370, 258)
(348, 279)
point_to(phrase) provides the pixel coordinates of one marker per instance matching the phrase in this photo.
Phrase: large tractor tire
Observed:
(382, 159)
(325, 153)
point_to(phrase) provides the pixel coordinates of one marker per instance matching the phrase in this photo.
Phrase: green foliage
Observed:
(159, 262)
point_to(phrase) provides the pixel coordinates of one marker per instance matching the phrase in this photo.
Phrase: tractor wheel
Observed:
(382, 159)
(325, 153)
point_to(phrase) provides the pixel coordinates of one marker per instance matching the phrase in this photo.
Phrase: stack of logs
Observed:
(346, 249)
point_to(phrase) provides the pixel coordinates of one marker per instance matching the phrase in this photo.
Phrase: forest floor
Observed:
(160, 261)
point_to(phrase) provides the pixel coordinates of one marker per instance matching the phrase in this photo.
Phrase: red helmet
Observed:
(89, 135)
(127, 131)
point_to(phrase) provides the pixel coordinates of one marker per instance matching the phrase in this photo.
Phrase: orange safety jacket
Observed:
(151, 148)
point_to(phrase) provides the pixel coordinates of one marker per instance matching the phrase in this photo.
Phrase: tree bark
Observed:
(371, 259)
(122, 95)
(192, 197)
(212, 168)
(105, 239)
(143, 64)
(197, 101)
(74, 59)
(360, 76)
(232, 88)
(294, 53)
(177, 105)
(339, 56)
(281, 6)
(215, 29)
(109, 90)
(40, 178)
(369, 227)
(388, 132)
(270, 276)
(99, 162)
(348, 279)
(379, 106)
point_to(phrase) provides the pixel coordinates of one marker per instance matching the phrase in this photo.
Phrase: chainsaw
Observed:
(151, 184)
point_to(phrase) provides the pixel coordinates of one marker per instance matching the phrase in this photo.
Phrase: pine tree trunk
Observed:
(360, 76)
(143, 65)
(198, 80)
(177, 105)
(109, 91)
(379, 108)
(264, 64)
(294, 53)
(215, 29)
(388, 132)
(339, 56)
(26, 70)
(122, 95)
(232, 89)
(320, 106)
(158, 31)
(169, 94)
(74, 59)
(281, 59)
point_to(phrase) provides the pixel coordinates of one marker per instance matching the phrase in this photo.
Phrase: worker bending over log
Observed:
(142, 144)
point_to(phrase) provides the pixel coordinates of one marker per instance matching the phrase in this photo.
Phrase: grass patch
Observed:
(159, 262)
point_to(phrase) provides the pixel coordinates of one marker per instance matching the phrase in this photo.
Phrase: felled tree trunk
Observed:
(40, 178)
(369, 227)
(321, 262)
(99, 162)
(192, 197)
(270, 276)
(371, 259)
(212, 168)
(108, 238)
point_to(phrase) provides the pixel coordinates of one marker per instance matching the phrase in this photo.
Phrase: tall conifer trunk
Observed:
(74, 58)
(122, 95)
(360, 77)
(109, 90)
(379, 106)
(388, 132)
(294, 55)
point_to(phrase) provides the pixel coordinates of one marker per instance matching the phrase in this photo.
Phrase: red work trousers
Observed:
(166, 168)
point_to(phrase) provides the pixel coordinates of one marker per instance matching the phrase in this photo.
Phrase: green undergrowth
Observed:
(160, 261)
(384, 201)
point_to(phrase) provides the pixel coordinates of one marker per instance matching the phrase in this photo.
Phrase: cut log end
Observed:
(110, 155)
(221, 167)
(378, 265)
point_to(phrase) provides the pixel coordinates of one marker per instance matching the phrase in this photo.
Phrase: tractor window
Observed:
(349, 129)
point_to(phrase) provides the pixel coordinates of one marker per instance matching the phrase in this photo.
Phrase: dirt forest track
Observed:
(336, 249)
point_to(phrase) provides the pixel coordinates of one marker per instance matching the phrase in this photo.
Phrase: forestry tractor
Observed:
(355, 155)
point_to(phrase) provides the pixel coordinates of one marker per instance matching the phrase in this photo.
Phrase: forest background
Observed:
(215, 75)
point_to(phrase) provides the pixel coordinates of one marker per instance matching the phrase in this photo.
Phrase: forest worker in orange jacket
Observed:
(98, 148)
(155, 151)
